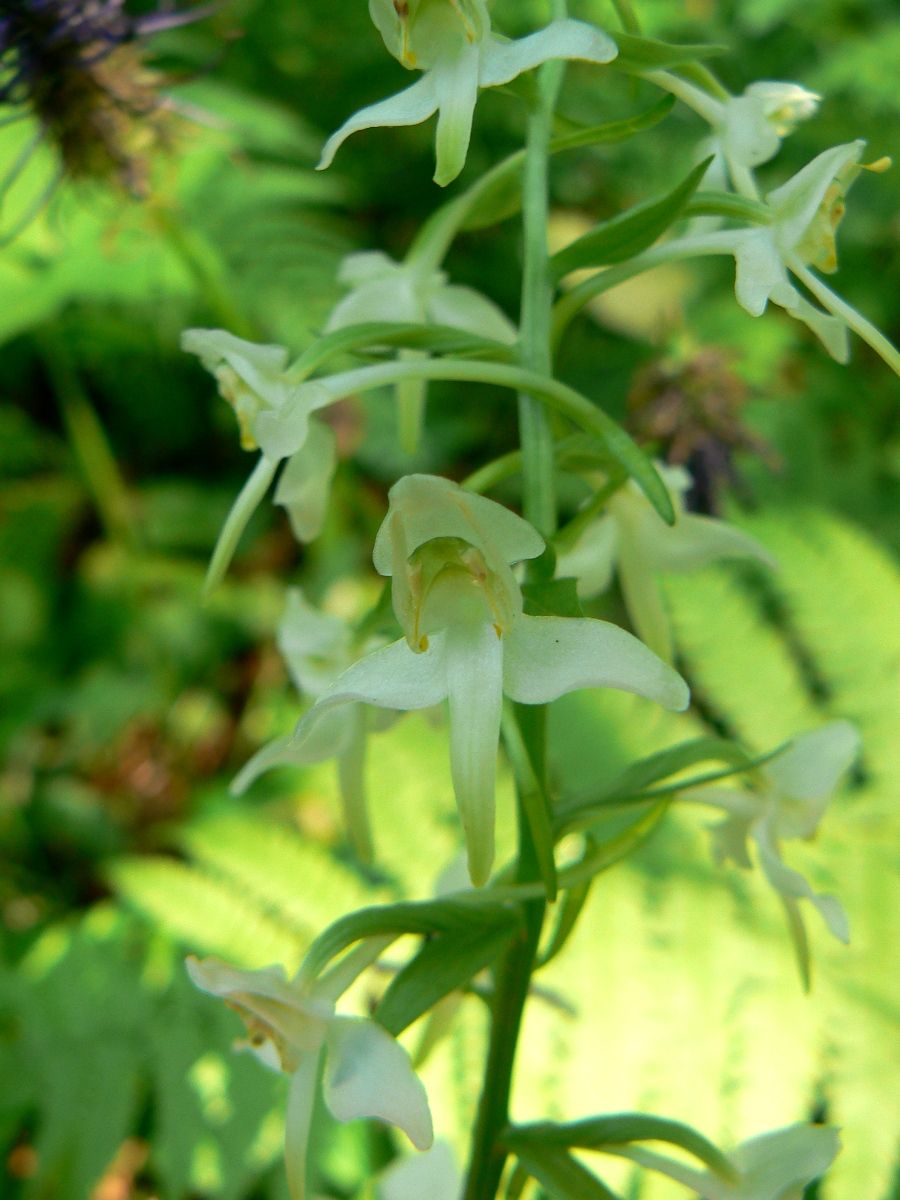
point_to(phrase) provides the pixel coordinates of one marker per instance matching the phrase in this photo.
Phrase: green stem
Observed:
(513, 977)
(90, 445)
(536, 435)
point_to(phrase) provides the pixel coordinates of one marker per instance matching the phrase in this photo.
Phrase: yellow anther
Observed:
(879, 166)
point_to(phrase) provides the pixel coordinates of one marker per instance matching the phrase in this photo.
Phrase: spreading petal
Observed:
(464, 308)
(305, 482)
(797, 201)
(393, 677)
(274, 1009)
(433, 1174)
(792, 885)
(474, 674)
(315, 645)
(367, 1074)
(432, 507)
(329, 736)
(502, 61)
(759, 270)
(455, 79)
(548, 656)
(831, 331)
(409, 107)
(643, 599)
(258, 366)
(807, 774)
(695, 541)
(776, 1163)
(592, 559)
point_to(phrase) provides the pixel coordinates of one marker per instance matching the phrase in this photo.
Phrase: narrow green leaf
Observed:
(446, 963)
(638, 54)
(557, 1171)
(604, 852)
(728, 204)
(596, 1133)
(534, 800)
(451, 914)
(612, 131)
(497, 196)
(372, 335)
(570, 909)
(634, 781)
(630, 232)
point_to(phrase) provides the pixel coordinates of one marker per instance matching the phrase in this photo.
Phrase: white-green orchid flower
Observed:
(796, 787)
(774, 1166)
(384, 290)
(451, 42)
(804, 214)
(449, 554)
(632, 540)
(274, 416)
(433, 1175)
(748, 129)
(316, 648)
(292, 1025)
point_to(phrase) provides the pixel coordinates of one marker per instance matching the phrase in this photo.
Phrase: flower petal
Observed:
(759, 270)
(474, 672)
(298, 1121)
(368, 1074)
(695, 541)
(548, 656)
(280, 1011)
(502, 61)
(314, 645)
(788, 1158)
(643, 598)
(433, 1174)
(305, 482)
(432, 507)
(790, 883)
(808, 772)
(592, 559)
(258, 366)
(797, 201)
(393, 677)
(456, 86)
(386, 299)
(831, 331)
(329, 737)
(464, 308)
(409, 107)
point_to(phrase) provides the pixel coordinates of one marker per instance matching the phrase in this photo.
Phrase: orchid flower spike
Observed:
(791, 802)
(449, 554)
(316, 648)
(774, 1166)
(748, 129)
(632, 540)
(274, 415)
(451, 42)
(804, 214)
(383, 290)
(293, 1025)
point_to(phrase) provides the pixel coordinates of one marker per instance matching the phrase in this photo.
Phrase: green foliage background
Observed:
(126, 706)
